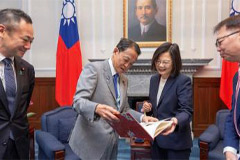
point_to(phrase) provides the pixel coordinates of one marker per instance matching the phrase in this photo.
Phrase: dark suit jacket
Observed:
(18, 122)
(156, 32)
(231, 137)
(175, 101)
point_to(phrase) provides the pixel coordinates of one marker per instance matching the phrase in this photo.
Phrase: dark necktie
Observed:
(115, 82)
(9, 83)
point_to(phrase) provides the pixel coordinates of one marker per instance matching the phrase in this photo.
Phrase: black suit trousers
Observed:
(165, 154)
(11, 151)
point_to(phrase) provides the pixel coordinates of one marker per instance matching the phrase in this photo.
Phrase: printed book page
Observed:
(155, 128)
(129, 127)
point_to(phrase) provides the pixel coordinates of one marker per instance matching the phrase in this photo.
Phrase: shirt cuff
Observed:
(230, 149)
(141, 118)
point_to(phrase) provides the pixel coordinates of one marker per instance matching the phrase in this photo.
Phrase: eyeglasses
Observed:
(164, 62)
(221, 39)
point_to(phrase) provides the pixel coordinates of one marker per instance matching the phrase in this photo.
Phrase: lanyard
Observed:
(235, 106)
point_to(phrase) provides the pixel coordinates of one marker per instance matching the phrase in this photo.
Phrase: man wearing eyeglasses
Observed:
(228, 45)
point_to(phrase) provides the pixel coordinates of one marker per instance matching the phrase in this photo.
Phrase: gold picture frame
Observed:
(162, 31)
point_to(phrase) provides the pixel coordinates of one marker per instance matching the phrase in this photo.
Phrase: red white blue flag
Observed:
(229, 68)
(69, 59)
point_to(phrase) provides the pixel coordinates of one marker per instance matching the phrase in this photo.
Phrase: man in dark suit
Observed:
(148, 28)
(16, 85)
(228, 45)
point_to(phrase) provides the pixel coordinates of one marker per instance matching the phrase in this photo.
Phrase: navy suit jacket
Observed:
(175, 101)
(231, 137)
(17, 122)
(156, 32)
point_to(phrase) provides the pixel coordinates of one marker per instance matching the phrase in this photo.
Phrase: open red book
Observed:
(129, 127)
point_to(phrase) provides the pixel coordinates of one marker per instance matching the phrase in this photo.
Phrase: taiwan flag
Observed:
(229, 68)
(69, 59)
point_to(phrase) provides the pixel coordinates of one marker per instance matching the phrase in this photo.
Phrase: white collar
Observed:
(145, 26)
(3, 57)
(113, 71)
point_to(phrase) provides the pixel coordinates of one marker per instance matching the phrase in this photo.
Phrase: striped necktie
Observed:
(115, 82)
(9, 83)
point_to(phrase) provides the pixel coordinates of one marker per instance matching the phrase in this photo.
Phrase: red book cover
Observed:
(129, 127)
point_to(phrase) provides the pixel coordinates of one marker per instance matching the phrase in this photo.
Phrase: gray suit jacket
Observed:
(91, 134)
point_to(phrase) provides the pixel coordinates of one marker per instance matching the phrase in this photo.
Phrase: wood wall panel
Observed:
(206, 103)
(43, 99)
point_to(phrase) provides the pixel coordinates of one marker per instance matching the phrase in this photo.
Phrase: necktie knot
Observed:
(7, 61)
(115, 76)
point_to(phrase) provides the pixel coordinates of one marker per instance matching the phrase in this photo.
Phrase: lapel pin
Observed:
(21, 71)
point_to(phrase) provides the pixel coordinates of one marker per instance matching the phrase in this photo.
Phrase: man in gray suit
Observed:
(97, 103)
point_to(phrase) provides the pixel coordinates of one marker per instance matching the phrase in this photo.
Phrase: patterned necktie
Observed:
(9, 83)
(115, 82)
(235, 106)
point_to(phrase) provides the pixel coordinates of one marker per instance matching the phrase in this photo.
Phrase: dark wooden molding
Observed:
(140, 150)
(59, 155)
(203, 150)
(206, 102)
(43, 99)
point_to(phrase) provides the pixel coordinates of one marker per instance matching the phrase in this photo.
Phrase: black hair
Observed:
(230, 23)
(10, 17)
(174, 52)
(125, 43)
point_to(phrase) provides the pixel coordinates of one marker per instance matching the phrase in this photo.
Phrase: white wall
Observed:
(100, 25)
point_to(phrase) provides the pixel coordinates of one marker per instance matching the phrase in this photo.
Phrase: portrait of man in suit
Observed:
(16, 84)
(145, 25)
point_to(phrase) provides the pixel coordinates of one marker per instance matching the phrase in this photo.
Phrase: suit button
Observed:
(4, 143)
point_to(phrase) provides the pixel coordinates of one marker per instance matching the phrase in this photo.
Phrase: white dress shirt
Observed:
(145, 28)
(113, 71)
(2, 70)
(160, 88)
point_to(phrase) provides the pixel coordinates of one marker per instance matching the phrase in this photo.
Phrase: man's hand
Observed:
(149, 119)
(107, 112)
(171, 128)
(147, 107)
(230, 156)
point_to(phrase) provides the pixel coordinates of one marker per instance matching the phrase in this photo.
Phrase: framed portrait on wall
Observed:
(148, 22)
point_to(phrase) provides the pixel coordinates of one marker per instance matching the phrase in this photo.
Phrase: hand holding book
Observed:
(147, 107)
(129, 127)
(171, 128)
(147, 119)
(107, 112)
